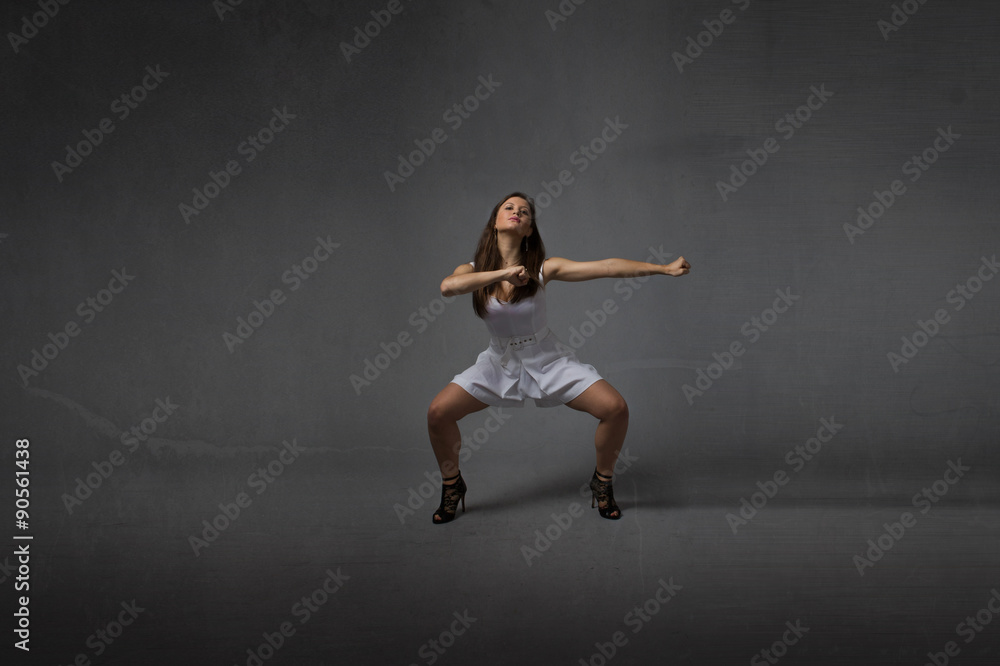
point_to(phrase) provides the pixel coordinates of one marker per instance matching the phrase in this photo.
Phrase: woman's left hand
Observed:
(678, 267)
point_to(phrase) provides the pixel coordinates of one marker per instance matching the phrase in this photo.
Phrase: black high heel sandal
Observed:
(450, 495)
(604, 494)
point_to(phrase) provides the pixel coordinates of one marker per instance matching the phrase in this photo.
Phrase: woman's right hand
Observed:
(516, 275)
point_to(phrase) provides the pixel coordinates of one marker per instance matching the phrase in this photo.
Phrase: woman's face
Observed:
(514, 215)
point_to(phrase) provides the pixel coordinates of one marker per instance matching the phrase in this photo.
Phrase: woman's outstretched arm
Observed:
(557, 268)
(465, 280)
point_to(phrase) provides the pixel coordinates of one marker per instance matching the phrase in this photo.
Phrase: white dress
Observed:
(525, 359)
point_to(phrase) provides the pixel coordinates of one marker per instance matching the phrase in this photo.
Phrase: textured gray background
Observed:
(338, 505)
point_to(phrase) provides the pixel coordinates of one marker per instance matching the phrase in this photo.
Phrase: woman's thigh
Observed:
(600, 400)
(454, 403)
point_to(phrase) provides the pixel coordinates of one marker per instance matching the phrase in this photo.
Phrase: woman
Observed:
(525, 360)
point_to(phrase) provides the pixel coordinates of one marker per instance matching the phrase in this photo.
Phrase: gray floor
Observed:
(400, 582)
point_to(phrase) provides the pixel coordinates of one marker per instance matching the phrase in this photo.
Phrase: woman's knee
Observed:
(618, 409)
(450, 406)
(437, 413)
(611, 408)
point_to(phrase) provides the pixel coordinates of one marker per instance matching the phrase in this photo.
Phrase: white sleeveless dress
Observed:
(525, 359)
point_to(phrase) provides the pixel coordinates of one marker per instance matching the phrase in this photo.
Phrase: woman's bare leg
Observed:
(450, 406)
(602, 401)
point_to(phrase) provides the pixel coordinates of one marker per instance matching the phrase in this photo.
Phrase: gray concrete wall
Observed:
(250, 161)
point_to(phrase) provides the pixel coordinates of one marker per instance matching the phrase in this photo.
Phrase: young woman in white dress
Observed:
(524, 359)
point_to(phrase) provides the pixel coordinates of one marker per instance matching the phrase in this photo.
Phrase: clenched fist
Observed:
(678, 267)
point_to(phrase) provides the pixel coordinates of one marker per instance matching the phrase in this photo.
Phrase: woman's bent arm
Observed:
(465, 280)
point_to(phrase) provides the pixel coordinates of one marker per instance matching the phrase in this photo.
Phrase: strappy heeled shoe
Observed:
(450, 495)
(604, 496)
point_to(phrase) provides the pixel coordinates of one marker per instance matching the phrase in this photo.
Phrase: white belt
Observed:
(515, 343)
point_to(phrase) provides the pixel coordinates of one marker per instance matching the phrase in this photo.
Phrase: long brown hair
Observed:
(488, 257)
